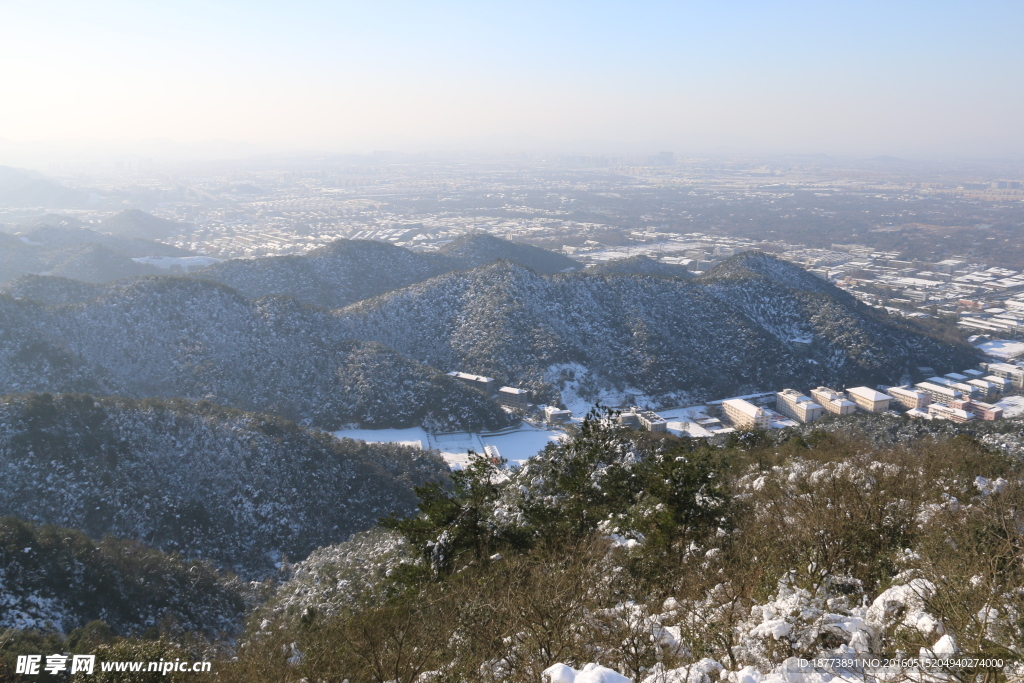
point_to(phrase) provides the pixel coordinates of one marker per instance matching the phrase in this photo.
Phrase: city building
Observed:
(801, 408)
(909, 398)
(939, 393)
(985, 388)
(513, 398)
(741, 413)
(869, 400)
(833, 401)
(486, 384)
(1002, 384)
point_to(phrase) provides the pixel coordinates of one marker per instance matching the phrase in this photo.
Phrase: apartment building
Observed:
(965, 389)
(869, 400)
(1002, 384)
(792, 403)
(939, 393)
(741, 413)
(1014, 373)
(909, 398)
(985, 388)
(833, 401)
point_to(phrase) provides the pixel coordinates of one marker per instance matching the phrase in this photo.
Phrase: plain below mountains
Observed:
(180, 337)
(754, 323)
(347, 271)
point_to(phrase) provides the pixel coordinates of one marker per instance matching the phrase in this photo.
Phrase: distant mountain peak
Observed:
(138, 223)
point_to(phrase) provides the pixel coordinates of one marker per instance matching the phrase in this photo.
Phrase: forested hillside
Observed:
(756, 323)
(242, 490)
(76, 252)
(57, 578)
(178, 337)
(641, 265)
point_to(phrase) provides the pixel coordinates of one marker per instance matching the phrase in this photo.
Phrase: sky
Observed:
(912, 79)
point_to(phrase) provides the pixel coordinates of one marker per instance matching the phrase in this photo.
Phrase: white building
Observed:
(801, 408)
(909, 398)
(939, 393)
(833, 401)
(742, 413)
(513, 397)
(555, 415)
(869, 400)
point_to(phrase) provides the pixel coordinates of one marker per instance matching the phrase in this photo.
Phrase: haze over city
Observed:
(235, 79)
(564, 342)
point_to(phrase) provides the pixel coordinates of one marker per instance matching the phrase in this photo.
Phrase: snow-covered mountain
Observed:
(347, 271)
(755, 323)
(241, 489)
(179, 337)
(48, 246)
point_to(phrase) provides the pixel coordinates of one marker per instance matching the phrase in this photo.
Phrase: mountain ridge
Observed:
(182, 337)
(731, 331)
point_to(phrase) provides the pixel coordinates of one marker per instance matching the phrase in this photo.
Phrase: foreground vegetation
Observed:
(663, 559)
(666, 560)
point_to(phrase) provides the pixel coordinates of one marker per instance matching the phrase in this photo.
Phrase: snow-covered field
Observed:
(413, 436)
(1002, 348)
(515, 446)
(1013, 406)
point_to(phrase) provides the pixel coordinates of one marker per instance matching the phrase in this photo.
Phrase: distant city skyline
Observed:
(230, 79)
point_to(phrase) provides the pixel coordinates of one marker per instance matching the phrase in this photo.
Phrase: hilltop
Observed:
(480, 249)
(139, 224)
(332, 276)
(179, 337)
(755, 323)
(23, 188)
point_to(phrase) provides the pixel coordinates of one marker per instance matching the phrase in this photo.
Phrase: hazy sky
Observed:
(862, 78)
